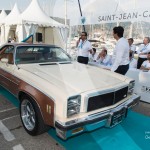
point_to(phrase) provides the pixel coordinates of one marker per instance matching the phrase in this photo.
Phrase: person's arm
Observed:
(89, 47)
(90, 50)
(148, 68)
(144, 68)
(133, 48)
(106, 60)
(98, 57)
(144, 52)
(78, 41)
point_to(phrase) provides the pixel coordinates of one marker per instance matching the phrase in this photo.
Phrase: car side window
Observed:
(7, 49)
(7, 52)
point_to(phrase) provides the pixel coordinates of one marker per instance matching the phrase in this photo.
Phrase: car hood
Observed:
(74, 77)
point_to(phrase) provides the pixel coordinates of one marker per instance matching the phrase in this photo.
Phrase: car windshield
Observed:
(40, 54)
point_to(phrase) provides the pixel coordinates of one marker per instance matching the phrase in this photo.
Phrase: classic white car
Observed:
(56, 92)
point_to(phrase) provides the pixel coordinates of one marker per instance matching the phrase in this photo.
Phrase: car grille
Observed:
(101, 101)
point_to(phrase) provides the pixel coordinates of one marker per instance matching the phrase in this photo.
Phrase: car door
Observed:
(7, 78)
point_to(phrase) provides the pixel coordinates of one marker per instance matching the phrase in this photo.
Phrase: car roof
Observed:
(27, 44)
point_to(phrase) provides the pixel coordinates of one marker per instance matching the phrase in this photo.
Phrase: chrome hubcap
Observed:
(28, 115)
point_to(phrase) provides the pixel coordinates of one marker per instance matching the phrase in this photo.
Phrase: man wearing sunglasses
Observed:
(84, 48)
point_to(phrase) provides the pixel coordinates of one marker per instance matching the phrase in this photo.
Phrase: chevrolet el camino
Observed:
(54, 91)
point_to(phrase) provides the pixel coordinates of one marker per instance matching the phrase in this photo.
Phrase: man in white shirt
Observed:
(103, 58)
(84, 48)
(131, 46)
(93, 56)
(143, 52)
(133, 61)
(120, 58)
(146, 64)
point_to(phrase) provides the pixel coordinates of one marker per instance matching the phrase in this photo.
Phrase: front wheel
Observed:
(31, 117)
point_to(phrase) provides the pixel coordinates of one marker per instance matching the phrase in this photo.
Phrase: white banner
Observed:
(133, 16)
(129, 16)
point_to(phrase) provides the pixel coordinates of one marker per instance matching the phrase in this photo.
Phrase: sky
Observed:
(58, 9)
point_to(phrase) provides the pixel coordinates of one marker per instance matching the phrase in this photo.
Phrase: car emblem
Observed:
(124, 95)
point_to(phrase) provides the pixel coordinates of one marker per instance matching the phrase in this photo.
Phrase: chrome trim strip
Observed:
(105, 91)
(9, 91)
(8, 78)
(100, 114)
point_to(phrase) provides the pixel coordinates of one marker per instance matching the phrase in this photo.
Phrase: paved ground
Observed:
(14, 137)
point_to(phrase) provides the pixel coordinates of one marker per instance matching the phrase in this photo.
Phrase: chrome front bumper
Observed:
(108, 118)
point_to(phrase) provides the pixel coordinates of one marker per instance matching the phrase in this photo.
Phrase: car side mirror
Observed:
(4, 60)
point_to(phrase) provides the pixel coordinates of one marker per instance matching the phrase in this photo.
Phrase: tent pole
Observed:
(65, 12)
(66, 25)
(81, 14)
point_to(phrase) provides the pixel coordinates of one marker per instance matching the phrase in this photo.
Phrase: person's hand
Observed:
(90, 51)
(100, 55)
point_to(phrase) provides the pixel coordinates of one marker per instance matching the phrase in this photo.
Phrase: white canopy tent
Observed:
(11, 21)
(2, 16)
(35, 15)
(13, 17)
(33, 20)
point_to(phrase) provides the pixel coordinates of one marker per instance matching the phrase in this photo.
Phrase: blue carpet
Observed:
(132, 134)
